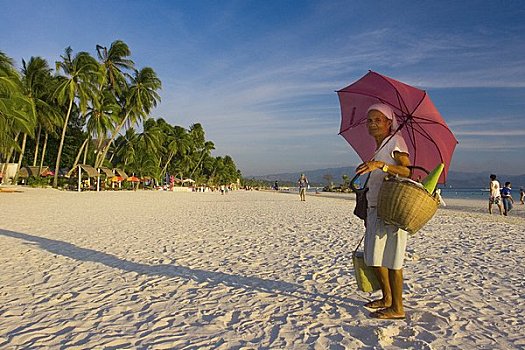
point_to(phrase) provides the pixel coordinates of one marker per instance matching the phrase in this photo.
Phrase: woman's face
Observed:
(378, 124)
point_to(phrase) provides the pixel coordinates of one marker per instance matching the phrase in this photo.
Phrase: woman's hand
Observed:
(369, 166)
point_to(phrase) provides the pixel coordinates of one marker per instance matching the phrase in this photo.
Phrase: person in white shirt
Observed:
(494, 194)
(385, 245)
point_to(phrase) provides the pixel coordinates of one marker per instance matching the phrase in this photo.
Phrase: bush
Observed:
(38, 181)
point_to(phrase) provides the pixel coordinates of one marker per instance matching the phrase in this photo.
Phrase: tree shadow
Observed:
(200, 276)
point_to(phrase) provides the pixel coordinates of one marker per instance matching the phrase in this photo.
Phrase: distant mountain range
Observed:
(455, 179)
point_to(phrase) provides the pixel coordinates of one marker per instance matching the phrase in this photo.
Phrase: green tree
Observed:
(78, 83)
(17, 114)
(139, 98)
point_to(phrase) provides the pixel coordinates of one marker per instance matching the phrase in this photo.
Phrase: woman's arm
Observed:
(401, 158)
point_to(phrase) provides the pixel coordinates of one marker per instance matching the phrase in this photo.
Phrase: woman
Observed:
(385, 245)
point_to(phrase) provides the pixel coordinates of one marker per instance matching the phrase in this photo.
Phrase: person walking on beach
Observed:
(303, 185)
(522, 196)
(494, 194)
(506, 198)
(385, 245)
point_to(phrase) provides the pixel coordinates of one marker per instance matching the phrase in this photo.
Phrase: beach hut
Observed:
(106, 173)
(119, 176)
(120, 173)
(90, 172)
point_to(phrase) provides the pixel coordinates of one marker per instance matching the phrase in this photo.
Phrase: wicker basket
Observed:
(405, 204)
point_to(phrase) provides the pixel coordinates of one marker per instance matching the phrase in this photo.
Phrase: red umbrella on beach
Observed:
(429, 139)
(116, 179)
(133, 179)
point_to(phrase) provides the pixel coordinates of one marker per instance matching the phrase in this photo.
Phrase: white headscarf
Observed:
(387, 111)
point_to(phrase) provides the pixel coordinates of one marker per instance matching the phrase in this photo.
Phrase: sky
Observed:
(261, 76)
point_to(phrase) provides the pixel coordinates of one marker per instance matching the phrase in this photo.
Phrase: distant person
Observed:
(522, 196)
(276, 186)
(494, 194)
(303, 185)
(506, 198)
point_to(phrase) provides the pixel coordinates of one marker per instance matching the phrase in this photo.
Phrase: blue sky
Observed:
(260, 76)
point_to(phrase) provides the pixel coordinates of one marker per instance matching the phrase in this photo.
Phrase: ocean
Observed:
(466, 193)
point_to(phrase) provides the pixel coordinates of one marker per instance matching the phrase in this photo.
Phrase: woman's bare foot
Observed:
(387, 314)
(377, 304)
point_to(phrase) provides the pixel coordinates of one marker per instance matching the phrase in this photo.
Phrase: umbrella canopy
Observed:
(133, 179)
(116, 179)
(429, 140)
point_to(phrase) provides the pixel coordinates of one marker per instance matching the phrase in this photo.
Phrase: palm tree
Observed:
(206, 151)
(16, 110)
(101, 118)
(126, 148)
(114, 63)
(36, 77)
(80, 74)
(139, 98)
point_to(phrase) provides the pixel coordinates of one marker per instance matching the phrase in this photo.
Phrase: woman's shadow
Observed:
(200, 276)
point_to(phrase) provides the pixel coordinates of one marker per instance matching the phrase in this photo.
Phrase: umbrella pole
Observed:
(79, 177)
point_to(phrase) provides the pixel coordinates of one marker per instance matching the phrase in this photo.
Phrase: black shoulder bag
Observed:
(361, 203)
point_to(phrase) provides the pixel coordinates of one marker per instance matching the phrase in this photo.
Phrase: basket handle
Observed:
(415, 167)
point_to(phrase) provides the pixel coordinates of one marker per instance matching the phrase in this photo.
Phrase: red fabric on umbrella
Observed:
(133, 179)
(429, 139)
(116, 179)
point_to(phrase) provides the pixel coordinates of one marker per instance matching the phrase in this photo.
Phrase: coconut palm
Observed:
(36, 78)
(16, 110)
(78, 83)
(114, 63)
(126, 148)
(139, 98)
(205, 152)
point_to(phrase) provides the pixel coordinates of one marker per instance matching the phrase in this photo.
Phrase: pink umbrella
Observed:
(429, 140)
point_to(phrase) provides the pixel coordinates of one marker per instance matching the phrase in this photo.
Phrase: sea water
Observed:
(465, 193)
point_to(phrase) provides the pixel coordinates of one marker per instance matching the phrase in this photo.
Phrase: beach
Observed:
(245, 270)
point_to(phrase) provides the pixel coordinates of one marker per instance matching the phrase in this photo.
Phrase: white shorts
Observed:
(385, 245)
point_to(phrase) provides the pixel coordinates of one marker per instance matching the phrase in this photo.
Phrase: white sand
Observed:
(247, 270)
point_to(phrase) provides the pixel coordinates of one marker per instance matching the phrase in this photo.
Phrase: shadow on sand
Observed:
(72, 251)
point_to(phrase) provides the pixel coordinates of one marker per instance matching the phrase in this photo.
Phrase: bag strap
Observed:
(358, 244)
(354, 187)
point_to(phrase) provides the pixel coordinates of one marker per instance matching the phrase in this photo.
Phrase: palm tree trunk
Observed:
(163, 172)
(8, 158)
(98, 150)
(113, 137)
(44, 148)
(20, 157)
(86, 150)
(37, 144)
(62, 139)
(198, 163)
(77, 157)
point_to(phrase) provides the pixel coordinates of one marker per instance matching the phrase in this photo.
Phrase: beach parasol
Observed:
(133, 179)
(116, 179)
(429, 140)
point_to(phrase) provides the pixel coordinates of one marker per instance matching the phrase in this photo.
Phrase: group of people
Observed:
(502, 197)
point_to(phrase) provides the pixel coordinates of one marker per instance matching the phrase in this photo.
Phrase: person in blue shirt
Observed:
(506, 198)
